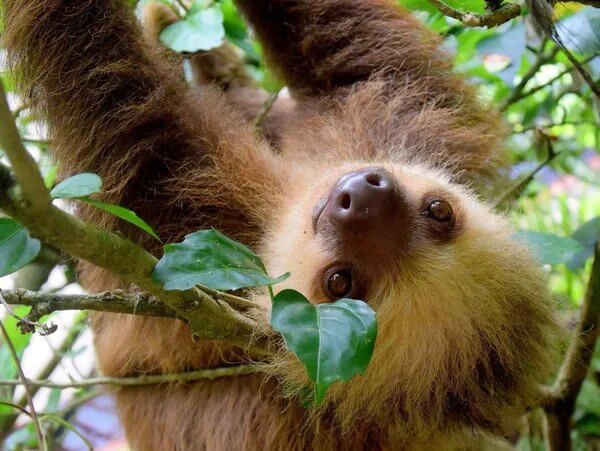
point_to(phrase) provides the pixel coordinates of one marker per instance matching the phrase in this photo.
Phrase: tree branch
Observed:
(265, 109)
(24, 166)
(518, 187)
(209, 374)
(496, 15)
(208, 317)
(559, 404)
(494, 18)
(117, 301)
(517, 93)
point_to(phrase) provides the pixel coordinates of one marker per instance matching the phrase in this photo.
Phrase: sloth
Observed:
(372, 184)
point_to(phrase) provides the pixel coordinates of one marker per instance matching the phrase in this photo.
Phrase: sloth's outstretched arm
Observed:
(320, 45)
(116, 109)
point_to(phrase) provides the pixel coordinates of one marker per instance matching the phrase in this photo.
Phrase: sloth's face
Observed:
(363, 229)
(463, 313)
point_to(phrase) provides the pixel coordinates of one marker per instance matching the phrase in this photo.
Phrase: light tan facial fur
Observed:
(464, 325)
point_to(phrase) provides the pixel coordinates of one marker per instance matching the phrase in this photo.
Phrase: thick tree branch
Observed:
(191, 376)
(24, 166)
(208, 317)
(559, 404)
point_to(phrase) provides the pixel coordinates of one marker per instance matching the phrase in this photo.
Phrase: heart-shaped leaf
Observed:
(201, 29)
(548, 248)
(17, 248)
(587, 235)
(79, 185)
(333, 341)
(209, 258)
(124, 214)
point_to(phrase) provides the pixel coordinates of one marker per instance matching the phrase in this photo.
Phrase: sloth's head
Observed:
(465, 325)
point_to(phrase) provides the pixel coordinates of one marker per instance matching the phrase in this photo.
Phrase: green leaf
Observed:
(587, 235)
(333, 341)
(548, 248)
(209, 258)
(78, 186)
(124, 214)
(17, 248)
(199, 30)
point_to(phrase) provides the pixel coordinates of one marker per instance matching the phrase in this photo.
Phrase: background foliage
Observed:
(554, 117)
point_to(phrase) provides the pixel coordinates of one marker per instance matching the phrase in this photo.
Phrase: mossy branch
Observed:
(209, 317)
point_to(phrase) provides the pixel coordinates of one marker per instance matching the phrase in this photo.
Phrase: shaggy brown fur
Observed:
(465, 329)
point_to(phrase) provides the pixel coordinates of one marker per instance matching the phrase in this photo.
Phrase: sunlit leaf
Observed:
(201, 29)
(333, 341)
(211, 259)
(78, 186)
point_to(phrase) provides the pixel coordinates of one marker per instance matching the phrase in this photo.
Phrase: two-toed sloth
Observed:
(370, 194)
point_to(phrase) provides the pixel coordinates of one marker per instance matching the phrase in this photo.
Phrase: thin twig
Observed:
(535, 89)
(208, 374)
(559, 404)
(556, 124)
(73, 334)
(26, 324)
(501, 15)
(70, 427)
(264, 111)
(183, 5)
(23, 381)
(38, 141)
(542, 59)
(17, 407)
(518, 187)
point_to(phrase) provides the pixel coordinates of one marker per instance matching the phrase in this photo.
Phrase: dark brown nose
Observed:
(365, 199)
(366, 214)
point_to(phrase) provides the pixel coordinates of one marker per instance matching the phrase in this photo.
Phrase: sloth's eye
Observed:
(338, 283)
(440, 210)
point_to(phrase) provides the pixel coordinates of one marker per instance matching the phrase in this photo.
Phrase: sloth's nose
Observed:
(367, 216)
(366, 200)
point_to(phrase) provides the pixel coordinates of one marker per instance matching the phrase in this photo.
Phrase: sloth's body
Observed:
(366, 196)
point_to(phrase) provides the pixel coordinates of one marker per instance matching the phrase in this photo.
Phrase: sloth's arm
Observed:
(320, 45)
(116, 109)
